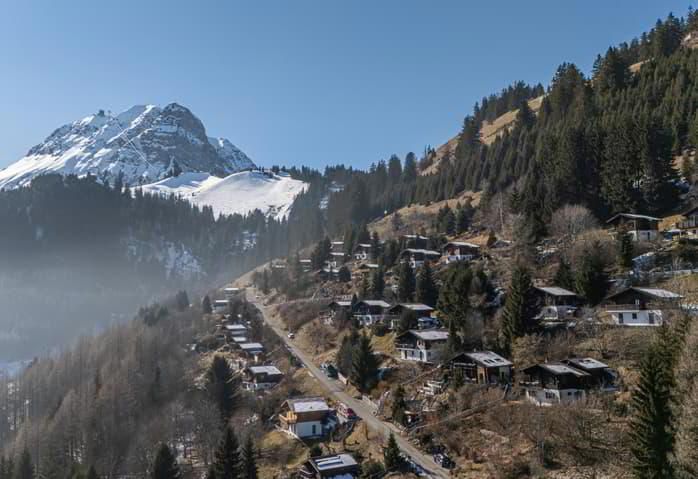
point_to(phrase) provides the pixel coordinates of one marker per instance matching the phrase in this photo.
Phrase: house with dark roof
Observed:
(482, 367)
(370, 311)
(602, 376)
(259, 378)
(688, 224)
(422, 311)
(459, 251)
(556, 304)
(362, 251)
(424, 346)
(338, 466)
(417, 257)
(639, 227)
(555, 383)
(638, 306)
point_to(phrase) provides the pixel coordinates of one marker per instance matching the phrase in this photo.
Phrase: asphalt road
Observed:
(364, 411)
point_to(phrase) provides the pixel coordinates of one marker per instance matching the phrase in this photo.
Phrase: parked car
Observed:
(346, 412)
(329, 370)
(291, 335)
(444, 461)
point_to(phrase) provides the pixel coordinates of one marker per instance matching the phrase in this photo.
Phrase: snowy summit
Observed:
(144, 143)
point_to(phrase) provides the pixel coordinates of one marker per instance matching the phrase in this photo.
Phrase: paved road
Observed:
(362, 409)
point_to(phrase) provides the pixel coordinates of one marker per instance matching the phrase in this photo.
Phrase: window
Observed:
(620, 318)
(634, 315)
(549, 395)
(314, 429)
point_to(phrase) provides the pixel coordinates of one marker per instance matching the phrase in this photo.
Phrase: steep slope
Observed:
(144, 143)
(238, 193)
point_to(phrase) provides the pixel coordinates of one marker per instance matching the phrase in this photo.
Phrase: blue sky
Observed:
(294, 82)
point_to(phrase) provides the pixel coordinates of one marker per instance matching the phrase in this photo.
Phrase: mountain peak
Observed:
(142, 143)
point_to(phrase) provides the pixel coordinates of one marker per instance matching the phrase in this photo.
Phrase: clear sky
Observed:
(294, 82)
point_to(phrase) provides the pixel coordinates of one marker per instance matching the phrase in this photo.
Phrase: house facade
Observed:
(369, 312)
(557, 304)
(636, 306)
(459, 251)
(362, 252)
(639, 227)
(423, 346)
(417, 257)
(688, 225)
(555, 383)
(305, 417)
(482, 367)
(259, 378)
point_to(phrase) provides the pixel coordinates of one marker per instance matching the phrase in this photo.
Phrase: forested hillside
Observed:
(85, 254)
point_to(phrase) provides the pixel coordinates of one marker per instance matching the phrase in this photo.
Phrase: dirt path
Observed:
(362, 409)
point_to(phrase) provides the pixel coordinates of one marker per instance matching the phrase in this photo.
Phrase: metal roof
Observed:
(340, 461)
(430, 335)
(587, 363)
(271, 370)
(308, 404)
(556, 291)
(632, 216)
(488, 358)
(559, 368)
(251, 346)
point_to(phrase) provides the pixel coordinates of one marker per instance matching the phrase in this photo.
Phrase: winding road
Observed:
(364, 411)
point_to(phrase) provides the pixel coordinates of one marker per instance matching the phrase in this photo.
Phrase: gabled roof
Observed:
(488, 359)
(559, 369)
(328, 463)
(236, 327)
(555, 291)
(270, 370)
(428, 334)
(251, 346)
(631, 216)
(417, 307)
(364, 245)
(462, 243)
(586, 363)
(309, 404)
(375, 302)
(689, 211)
(341, 304)
(427, 252)
(654, 293)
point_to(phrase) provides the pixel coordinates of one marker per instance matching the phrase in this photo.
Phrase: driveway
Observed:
(362, 409)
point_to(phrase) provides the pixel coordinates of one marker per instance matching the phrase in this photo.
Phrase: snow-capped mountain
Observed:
(242, 192)
(144, 143)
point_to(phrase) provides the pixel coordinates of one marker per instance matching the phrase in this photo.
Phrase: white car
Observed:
(291, 335)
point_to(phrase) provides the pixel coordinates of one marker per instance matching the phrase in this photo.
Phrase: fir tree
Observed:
(563, 275)
(364, 365)
(375, 247)
(406, 283)
(377, 284)
(344, 275)
(227, 461)
(181, 301)
(392, 459)
(397, 411)
(249, 459)
(454, 345)
(519, 308)
(222, 386)
(454, 295)
(625, 250)
(408, 320)
(591, 279)
(651, 429)
(24, 468)
(165, 465)
(426, 290)
(206, 305)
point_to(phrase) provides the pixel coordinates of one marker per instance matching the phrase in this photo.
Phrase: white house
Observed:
(305, 417)
(636, 306)
(555, 383)
(221, 306)
(362, 252)
(417, 257)
(459, 251)
(424, 346)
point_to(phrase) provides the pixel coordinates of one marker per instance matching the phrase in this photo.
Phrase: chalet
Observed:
(337, 259)
(370, 311)
(555, 383)
(415, 241)
(639, 227)
(342, 305)
(421, 346)
(238, 340)
(305, 417)
(221, 306)
(427, 322)
(602, 376)
(252, 351)
(362, 252)
(482, 367)
(258, 378)
(557, 304)
(417, 257)
(339, 466)
(233, 293)
(394, 313)
(459, 251)
(637, 306)
(337, 246)
(235, 330)
(688, 225)
(306, 265)
(365, 270)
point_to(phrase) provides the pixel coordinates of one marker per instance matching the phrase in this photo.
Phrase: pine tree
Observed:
(563, 275)
(344, 275)
(375, 247)
(377, 284)
(454, 295)
(650, 428)
(265, 282)
(165, 465)
(462, 220)
(364, 365)
(222, 386)
(227, 461)
(625, 250)
(25, 468)
(519, 308)
(408, 320)
(249, 459)
(181, 301)
(591, 280)
(406, 283)
(392, 459)
(397, 412)
(426, 290)
(206, 305)
(454, 345)
(344, 356)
